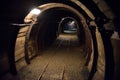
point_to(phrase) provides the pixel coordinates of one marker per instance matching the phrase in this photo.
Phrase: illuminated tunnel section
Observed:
(42, 30)
(52, 19)
(46, 31)
(68, 25)
(47, 28)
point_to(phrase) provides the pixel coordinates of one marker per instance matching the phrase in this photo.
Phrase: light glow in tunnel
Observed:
(35, 11)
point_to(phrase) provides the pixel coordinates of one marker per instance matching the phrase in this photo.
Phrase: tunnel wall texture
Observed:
(88, 49)
(99, 3)
(116, 46)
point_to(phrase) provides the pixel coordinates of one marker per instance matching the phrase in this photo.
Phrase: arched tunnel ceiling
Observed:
(15, 11)
(55, 5)
(17, 14)
(88, 12)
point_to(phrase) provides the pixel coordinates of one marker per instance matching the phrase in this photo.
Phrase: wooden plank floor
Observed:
(62, 61)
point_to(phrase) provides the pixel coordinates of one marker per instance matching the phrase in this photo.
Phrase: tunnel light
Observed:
(35, 11)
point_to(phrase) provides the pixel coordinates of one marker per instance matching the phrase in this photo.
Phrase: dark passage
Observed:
(35, 40)
(62, 61)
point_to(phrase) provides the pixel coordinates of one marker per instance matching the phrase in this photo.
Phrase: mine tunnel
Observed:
(60, 40)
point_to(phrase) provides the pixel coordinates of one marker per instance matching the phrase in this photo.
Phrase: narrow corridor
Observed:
(62, 61)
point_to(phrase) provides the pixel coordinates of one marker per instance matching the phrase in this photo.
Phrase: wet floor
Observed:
(62, 61)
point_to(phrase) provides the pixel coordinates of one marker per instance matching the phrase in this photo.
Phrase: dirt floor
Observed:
(62, 61)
